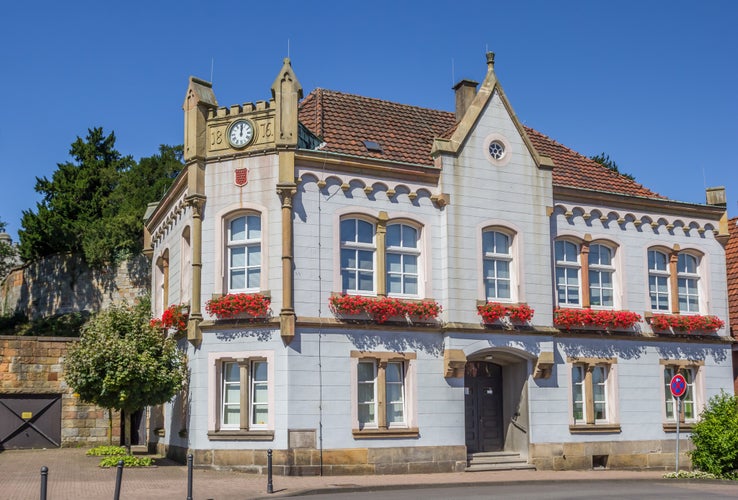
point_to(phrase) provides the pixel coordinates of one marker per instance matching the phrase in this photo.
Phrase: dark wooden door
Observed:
(483, 407)
(30, 421)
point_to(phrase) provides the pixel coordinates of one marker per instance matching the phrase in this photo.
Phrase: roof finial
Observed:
(490, 60)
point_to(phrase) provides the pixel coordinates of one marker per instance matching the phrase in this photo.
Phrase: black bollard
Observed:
(44, 478)
(270, 487)
(189, 476)
(118, 479)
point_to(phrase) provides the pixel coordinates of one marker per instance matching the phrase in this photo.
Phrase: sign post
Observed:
(678, 386)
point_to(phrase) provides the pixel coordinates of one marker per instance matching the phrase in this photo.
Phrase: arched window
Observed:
(244, 253)
(658, 280)
(601, 270)
(688, 283)
(402, 259)
(497, 262)
(358, 251)
(567, 273)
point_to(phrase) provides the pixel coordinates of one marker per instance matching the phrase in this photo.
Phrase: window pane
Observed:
(366, 393)
(348, 280)
(503, 289)
(366, 282)
(232, 415)
(232, 393)
(393, 235)
(238, 280)
(395, 413)
(366, 413)
(409, 237)
(394, 284)
(254, 256)
(348, 230)
(394, 393)
(254, 229)
(261, 415)
(607, 299)
(394, 263)
(411, 286)
(365, 232)
(393, 372)
(488, 242)
(231, 372)
(259, 371)
(366, 372)
(600, 411)
(254, 278)
(503, 269)
(411, 264)
(366, 260)
(502, 243)
(238, 229)
(348, 258)
(260, 393)
(238, 257)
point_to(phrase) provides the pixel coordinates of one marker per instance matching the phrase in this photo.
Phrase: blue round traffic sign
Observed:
(678, 386)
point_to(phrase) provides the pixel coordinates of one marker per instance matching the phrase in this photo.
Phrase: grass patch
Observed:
(105, 451)
(128, 461)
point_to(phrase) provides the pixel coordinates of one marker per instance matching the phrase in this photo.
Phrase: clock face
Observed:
(240, 133)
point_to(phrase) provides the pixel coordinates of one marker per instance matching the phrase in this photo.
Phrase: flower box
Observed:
(505, 314)
(383, 309)
(239, 305)
(173, 318)
(595, 319)
(687, 323)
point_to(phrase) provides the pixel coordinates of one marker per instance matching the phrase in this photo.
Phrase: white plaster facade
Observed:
(312, 356)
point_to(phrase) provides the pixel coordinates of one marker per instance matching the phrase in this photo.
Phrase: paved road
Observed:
(672, 490)
(72, 475)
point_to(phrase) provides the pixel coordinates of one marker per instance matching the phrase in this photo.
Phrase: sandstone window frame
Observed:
(589, 423)
(682, 282)
(694, 373)
(584, 265)
(381, 427)
(247, 381)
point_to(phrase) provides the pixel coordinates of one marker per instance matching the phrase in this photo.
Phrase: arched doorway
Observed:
(483, 410)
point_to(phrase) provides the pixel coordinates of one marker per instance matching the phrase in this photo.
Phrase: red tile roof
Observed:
(406, 133)
(731, 265)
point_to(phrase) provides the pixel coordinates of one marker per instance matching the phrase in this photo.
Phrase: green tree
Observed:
(93, 205)
(715, 437)
(76, 198)
(604, 160)
(122, 362)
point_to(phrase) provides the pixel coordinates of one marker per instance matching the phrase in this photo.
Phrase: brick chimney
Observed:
(465, 92)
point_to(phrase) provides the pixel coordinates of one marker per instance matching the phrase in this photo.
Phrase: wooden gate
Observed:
(30, 421)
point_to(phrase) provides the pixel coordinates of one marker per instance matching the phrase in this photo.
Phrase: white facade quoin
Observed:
(374, 231)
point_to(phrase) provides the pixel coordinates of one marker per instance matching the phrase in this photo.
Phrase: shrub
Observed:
(715, 437)
(106, 451)
(128, 461)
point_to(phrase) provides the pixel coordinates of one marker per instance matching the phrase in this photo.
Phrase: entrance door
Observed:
(483, 407)
(30, 421)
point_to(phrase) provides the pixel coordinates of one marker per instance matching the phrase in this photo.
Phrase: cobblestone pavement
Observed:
(72, 475)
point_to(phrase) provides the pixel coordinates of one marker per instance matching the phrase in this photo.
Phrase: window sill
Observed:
(683, 426)
(241, 435)
(594, 429)
(411, 432)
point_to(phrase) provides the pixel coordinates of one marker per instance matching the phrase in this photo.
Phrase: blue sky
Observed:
(651, 83)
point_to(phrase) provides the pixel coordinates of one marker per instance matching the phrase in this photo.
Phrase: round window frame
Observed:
(507, 149)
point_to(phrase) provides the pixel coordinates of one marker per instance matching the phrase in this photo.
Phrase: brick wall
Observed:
(35, 365)
(64, 283)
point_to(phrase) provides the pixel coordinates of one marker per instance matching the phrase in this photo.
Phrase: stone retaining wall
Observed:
(65, 283)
